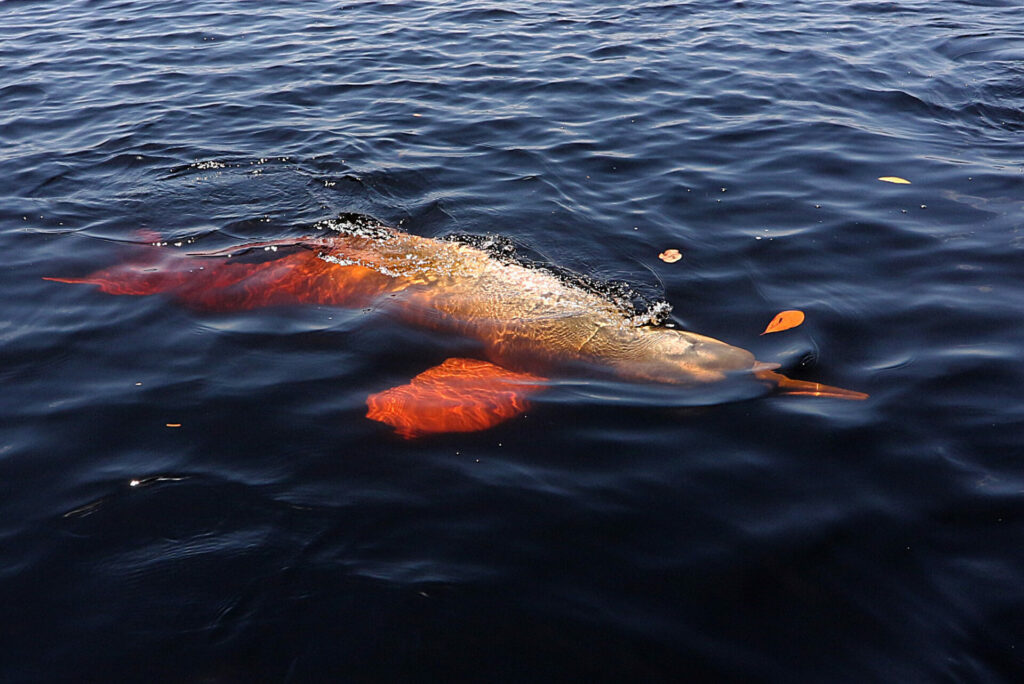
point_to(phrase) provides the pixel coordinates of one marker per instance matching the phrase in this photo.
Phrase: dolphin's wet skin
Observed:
(530, 322)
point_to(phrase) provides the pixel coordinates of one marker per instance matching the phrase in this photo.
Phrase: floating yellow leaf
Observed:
(894, 179)
(670, 256)
(784, 320)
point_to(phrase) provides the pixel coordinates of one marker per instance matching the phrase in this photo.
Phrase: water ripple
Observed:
(605, 535)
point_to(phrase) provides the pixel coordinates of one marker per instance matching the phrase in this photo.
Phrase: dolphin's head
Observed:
(680, 357)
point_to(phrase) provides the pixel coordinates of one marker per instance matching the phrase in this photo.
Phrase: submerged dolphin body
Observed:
(529, 321)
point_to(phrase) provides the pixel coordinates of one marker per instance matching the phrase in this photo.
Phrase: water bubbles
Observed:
(655, 314)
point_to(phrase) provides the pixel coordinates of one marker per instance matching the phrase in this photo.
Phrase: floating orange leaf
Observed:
(784, 320)
(174, 425)
(894, 179)
(460, 395)
(670, 256)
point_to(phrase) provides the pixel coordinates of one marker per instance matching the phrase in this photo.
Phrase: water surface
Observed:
(278, 535)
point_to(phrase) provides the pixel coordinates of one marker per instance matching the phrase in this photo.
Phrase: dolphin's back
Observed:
(526, 316)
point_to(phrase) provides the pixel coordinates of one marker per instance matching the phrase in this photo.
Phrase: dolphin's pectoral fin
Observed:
(218, 282)
(807, 389)
(460, 395)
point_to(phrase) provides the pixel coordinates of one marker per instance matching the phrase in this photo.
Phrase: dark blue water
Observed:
(279, 535)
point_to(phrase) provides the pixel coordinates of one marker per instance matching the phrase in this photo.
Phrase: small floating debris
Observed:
(784, 320)
(894, 179)
(670, 256)
(174, 425)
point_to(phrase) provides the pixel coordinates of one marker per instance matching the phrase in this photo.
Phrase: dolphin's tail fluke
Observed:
(807, 389)
(210, 281)
(73, 281)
